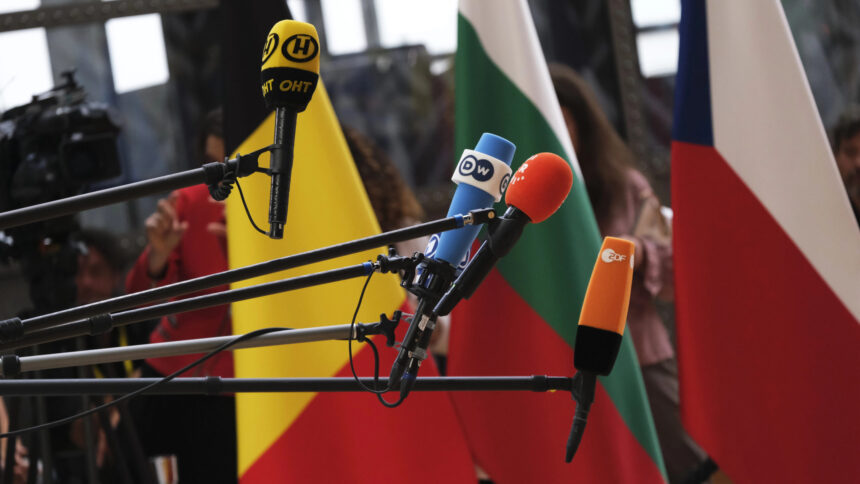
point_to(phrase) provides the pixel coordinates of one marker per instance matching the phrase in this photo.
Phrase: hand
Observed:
(164, 231)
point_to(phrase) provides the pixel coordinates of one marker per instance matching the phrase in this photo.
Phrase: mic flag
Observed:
(291, 65)
(604, 310)
(289, 75)
(482, 175)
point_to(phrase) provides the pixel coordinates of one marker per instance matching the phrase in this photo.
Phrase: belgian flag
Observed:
(317, 437)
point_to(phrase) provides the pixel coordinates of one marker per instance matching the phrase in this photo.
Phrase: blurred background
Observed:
(388, 66)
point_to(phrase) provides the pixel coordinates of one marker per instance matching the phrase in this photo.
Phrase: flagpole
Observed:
(13, 329)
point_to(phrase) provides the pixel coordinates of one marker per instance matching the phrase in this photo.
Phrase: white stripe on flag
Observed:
(509, 38)
(767, 128)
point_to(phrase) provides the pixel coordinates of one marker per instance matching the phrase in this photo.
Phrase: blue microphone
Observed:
(482, 176)
(480, 182)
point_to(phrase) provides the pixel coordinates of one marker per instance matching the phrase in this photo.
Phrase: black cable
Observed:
(364, 387)
(250, 218)
(349, 342)
(128, 396)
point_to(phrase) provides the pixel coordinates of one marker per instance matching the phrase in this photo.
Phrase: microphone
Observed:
(482, 175)
(289, 76)
(537, 190)
(601, 326)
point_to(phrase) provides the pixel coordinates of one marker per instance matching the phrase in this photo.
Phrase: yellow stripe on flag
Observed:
(328, 205)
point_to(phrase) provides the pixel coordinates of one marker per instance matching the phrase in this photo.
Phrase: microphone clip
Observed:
(220, 177)
(384, 326)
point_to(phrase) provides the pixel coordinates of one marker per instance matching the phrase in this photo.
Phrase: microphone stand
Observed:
(105, 322)
(583, 387)
(102, 323)
(214, 385)
(211, 174)
(14, 365)
(14, 328)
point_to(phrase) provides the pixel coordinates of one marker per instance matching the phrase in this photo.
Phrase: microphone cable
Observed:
(211, 354)
(375, 390)
(222, 189)
(129, 396)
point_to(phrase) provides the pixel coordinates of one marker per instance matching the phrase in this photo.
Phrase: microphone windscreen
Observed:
(540, 186)
(604, 310)
(291, 65)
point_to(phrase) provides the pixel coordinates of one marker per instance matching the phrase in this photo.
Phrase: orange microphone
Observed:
(601, 326)
(604, 311)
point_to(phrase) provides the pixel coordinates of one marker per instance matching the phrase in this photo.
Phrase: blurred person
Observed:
(186, 240)
(845, 141)
(623, 200)
(100, 268)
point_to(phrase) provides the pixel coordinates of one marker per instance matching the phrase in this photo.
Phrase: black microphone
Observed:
(537, 190)
(289, 76)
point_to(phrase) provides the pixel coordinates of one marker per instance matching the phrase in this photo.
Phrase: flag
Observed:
(318, 437)
(767, 255)
(523, 318)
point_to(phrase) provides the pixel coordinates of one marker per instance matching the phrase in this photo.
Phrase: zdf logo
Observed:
(609, 255)
(300, 48)
(481, 170)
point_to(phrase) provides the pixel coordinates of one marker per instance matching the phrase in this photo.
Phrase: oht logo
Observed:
(287, 85)
(271, 46)
(300, 48)
(481, 170)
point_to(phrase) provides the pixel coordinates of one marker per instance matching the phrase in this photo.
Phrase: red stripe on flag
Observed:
(769, 356)
(351, 437)
(520, 437)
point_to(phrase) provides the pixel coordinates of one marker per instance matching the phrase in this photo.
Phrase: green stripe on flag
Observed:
(551, 264)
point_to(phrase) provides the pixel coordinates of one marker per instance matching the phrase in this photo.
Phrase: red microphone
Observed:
(537, 189)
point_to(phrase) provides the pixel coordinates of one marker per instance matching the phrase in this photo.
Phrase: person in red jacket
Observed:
(182, 246)
(186, 240)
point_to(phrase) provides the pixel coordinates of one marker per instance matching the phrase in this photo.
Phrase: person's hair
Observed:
(846, 127)
(603, 156)
(212, 125)
(107, 245)
(392, 200)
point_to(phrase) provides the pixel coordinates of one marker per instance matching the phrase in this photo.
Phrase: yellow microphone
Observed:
(601, 327)
(289, 76)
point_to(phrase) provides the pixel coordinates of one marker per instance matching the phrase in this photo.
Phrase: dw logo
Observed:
(481, 170)
(271, 45)
(300, 48)
(432, 245)
(504, 184)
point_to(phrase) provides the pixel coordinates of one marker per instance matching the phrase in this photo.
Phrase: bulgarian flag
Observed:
(767, 255)
(318, 437)
(523, 318)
